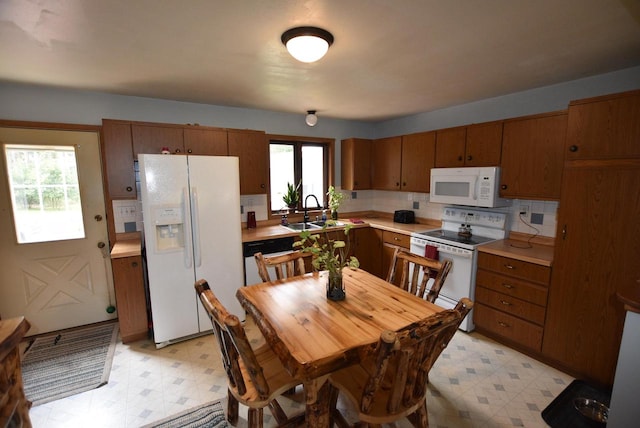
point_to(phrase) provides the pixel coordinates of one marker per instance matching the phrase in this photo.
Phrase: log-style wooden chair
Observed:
(419, 275)
(256, 376)
(285, 265)
(390, 382)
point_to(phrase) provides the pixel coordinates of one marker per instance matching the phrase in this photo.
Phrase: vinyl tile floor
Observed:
(475, 383)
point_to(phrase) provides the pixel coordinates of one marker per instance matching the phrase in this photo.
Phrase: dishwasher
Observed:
(268, 247)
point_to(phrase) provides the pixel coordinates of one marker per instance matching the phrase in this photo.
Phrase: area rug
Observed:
(69, 362)
(210, 415)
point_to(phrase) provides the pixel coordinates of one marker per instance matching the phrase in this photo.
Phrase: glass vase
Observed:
(334, 214)
(335, 287)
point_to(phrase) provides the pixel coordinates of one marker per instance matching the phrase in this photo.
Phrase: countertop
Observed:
(126, 248)
(520, 250)
(278, 231)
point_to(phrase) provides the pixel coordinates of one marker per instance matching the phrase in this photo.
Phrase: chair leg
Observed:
(232, 409)
(255, 418)
(420, 418)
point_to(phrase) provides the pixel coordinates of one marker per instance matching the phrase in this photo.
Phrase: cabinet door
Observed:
(418, 157)
(130, 298)
(211, 142)
(604, 128)
(596, 254)
(450, 147)
(151, 139)
(386, 163)
(483, 144)
(118, 159)
(356, 164)
(533, 157)
(368, 249)
(252, 148)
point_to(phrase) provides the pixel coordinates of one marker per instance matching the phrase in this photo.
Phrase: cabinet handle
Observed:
(460, 158)
(129, 188)
(177, 150)
(469, 157)
(503, 324)
(564, 232)
(509, 267)
(573, 148)
(397, 184)
(396, 239)
(504, 302)
(262, 186)
(503, 187)
(134, 264)
(189, 151)
(508, 286)
(404, 184)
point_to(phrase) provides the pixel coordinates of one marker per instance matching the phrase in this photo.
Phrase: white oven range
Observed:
(463, 230)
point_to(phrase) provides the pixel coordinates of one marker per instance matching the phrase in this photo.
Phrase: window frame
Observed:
(298, 142)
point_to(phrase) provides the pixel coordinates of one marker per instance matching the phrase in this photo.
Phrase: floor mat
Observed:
(561, 413)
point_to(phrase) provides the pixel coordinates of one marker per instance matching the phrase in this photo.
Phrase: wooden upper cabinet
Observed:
(356, 164)
(418, 157)
(252, 148)
(152, 138)
(604, 127)
(450, 147)
(484, 144)
(211, 142)
(117, 153)
(533, 156)
(386, 162)
(474, 145)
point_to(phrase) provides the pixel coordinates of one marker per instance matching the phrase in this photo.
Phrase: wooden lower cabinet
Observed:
(367, 247)
(511, 299)
(131, 301)
(14, 405)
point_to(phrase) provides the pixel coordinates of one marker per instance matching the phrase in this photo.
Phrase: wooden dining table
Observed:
(314, 336)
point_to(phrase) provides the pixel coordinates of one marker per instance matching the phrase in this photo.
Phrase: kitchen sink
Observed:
(312, 225)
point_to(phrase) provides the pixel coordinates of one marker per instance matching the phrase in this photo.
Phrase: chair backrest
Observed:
(233, 344)
(400, 364)
(419, 275)
(285, 265)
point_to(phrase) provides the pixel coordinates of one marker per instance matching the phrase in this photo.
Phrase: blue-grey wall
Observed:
(44, 104)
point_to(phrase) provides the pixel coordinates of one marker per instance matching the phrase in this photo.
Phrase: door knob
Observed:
(101, 244)
(98, 217)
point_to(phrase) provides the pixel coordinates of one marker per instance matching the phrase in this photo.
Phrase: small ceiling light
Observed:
(307, 44)
(311, 119)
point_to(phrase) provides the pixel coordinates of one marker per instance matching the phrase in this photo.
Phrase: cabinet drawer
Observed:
(513, 267)
(513, 287)
(502, 302)
(399, 239)
(510, 327)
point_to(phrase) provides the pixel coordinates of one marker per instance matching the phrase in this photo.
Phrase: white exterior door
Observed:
(62, 279)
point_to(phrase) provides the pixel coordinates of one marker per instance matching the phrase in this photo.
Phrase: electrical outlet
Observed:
(524, 210)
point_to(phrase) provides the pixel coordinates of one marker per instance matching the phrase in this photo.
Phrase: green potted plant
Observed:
(335, 198)
(292, 196)
(329, 254)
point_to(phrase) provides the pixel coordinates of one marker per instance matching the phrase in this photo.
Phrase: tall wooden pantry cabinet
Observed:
(597, 249)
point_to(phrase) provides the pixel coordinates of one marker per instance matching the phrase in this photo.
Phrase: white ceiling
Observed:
(389, 58)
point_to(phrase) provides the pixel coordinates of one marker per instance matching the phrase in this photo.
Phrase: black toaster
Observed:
(404, 216)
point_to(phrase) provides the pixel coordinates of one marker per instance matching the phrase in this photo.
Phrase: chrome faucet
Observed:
(306, 208)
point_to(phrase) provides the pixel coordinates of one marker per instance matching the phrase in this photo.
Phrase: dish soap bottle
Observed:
(324, 215)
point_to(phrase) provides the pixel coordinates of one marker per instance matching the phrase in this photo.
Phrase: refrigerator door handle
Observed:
(195, 220)
(187, 228)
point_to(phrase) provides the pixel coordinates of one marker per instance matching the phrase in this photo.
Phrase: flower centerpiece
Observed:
(335, 198)
(329, 254)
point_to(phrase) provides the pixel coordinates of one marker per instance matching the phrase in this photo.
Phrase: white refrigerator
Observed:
(192, 230)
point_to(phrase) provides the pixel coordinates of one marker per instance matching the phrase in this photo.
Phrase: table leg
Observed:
(317, 398)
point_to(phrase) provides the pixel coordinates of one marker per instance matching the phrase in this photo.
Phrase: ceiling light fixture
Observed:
(311, 119)
(307, 44)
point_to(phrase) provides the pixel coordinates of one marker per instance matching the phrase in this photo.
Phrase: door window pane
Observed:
(44, 193)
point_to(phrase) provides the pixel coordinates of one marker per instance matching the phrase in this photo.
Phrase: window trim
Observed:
(330, 144)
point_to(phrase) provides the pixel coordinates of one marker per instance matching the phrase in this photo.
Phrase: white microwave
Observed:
(473, 186)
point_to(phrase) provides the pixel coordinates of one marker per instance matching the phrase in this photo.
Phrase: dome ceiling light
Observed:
(307, 44)
(311, 119)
